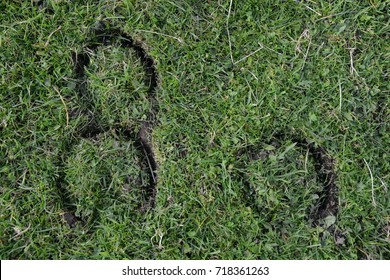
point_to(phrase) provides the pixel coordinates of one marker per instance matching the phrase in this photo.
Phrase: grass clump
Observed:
(117, 86)
(103, 172)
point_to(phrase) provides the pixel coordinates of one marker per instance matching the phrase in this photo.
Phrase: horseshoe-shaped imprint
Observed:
(141, 140)
(327, 204)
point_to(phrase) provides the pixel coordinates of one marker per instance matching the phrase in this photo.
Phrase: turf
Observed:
(242, 86)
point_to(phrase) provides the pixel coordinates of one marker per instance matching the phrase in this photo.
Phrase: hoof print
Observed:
(100, 132)
(280, 157)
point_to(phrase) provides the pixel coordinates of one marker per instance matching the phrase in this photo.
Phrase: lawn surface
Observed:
(269, 122)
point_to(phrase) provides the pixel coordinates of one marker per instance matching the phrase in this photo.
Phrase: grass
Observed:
(233, 77)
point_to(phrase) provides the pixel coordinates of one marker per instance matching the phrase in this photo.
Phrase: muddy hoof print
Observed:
(293, 175)
(110, 158)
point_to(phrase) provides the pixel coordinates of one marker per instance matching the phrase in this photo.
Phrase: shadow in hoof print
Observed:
(290, 181)
(109, 159)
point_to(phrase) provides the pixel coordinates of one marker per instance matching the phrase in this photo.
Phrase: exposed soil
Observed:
(324, 164)
(142, 139)
(70, 219)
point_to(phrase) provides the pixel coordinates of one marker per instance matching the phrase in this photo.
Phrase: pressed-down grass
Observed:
(319, 74)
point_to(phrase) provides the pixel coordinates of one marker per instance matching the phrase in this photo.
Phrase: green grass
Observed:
(316, 70)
